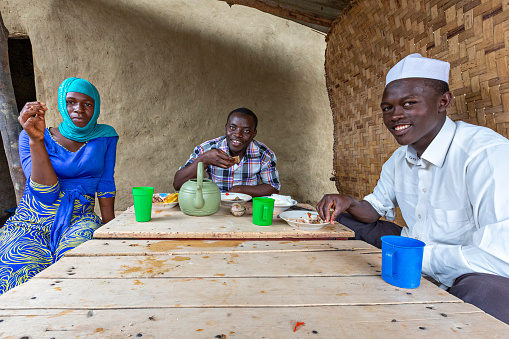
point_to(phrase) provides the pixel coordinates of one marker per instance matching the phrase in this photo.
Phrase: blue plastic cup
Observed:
(402, 261)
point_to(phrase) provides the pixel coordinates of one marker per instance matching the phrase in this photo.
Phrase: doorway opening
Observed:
(23, 80)
(22, 70)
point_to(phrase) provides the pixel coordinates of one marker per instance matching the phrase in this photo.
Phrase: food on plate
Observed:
(165, 198)
(237, 198)
(156, 199)
(232, 197)
(311, 219)
(303, 220)
(171, 198)
(237, 209)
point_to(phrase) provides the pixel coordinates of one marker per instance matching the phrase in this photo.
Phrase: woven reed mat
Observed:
(372, 35)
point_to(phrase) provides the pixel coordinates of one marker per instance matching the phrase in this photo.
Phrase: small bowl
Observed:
(160, 206)
(227, 199)
(281, 208)
(292, 218)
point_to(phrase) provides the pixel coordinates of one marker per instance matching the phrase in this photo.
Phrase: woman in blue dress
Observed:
(65, 168)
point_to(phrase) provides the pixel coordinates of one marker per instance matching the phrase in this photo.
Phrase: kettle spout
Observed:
(198, 199)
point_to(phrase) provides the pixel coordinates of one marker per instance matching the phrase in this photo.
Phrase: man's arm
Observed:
(184, 175)
(488, 191)
(214, 157)
(255, 191)
(269, 176)
(339, 203)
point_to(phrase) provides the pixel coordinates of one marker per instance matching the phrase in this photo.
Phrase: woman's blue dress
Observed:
(51, 220)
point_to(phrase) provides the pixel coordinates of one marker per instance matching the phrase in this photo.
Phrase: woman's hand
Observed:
(31, 119)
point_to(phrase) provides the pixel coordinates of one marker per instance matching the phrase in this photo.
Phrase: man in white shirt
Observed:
(450, 181)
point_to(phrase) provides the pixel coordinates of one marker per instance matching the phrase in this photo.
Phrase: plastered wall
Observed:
(169, 72)
(7, 198)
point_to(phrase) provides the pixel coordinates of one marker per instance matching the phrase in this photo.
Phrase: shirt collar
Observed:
(252, 151)
(437, 150)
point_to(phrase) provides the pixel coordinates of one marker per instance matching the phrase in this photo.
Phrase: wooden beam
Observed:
(282, 11)
(9, 125)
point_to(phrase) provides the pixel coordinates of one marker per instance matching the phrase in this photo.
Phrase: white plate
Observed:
(163, 206)
(159, 206)
(228, 199)
(291, 217)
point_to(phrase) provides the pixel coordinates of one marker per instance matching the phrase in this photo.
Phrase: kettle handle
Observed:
(198, 200)
(199, 175)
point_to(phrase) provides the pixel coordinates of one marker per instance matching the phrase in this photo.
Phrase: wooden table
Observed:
(231, 289)
(174, 224)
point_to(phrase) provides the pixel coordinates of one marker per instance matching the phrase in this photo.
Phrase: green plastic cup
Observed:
(142, 197)
(263, 208)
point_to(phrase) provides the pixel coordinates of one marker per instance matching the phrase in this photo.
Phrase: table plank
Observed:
(451, 320)
(215, 292)
(233, 264)
(235, 288)
(116, 247)
(174, 224)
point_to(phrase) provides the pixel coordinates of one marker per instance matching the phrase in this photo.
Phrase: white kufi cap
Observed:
(416, 66)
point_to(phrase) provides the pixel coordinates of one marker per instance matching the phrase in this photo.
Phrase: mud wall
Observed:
(169, 72)
(7, 197)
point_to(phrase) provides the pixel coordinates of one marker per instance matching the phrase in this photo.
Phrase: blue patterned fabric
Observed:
(28, 242)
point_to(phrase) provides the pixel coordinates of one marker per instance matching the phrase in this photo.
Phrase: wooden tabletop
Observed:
(111, 288)
(174, 224)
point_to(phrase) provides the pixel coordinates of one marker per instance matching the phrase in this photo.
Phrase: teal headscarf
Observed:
(92, 130)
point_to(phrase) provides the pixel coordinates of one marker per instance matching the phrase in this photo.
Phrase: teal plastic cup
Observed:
(402, 261)
(263, 208)
(142, 197)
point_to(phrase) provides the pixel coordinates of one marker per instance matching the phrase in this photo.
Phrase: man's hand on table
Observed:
(339, 203)
(336, 202)
(254, 190)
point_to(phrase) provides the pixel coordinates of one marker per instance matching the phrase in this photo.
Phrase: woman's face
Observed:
(80, 108)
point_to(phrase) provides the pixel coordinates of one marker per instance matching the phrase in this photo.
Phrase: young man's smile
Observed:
(240, 131)
(413, 112)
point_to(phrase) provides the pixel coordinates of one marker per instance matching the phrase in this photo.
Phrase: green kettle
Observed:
(199, 196)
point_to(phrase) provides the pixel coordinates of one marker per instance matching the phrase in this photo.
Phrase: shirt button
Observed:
(419, 216)
(424, 190)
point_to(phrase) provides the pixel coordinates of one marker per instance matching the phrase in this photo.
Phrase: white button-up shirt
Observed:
(455, 198)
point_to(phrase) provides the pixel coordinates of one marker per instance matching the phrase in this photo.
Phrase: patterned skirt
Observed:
(25, 238)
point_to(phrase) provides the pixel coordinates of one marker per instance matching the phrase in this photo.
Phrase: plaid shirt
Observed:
(257, 167)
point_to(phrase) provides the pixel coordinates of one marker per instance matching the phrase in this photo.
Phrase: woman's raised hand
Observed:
(31, 119)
